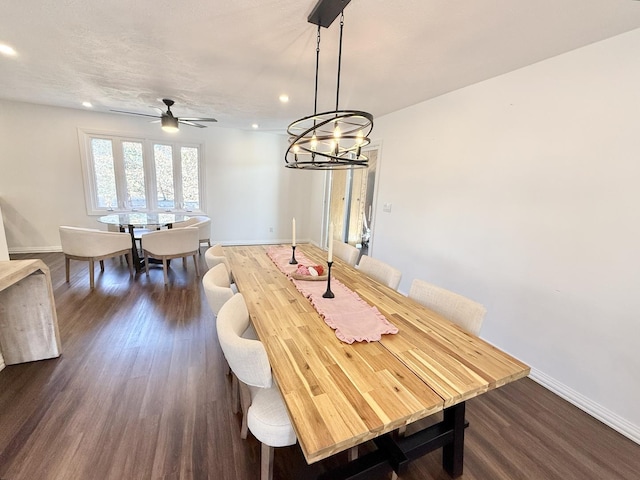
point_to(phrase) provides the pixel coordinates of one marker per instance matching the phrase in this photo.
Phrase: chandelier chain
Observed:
(315, 99)
(339, 59)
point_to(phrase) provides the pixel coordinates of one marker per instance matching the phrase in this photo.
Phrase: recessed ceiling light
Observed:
(284, 98)
(7, 50)
(254, 125)
(87, 104)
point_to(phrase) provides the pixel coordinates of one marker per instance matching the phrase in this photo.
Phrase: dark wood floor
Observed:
(139, 393)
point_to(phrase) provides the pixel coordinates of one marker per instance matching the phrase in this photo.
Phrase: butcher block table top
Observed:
(340, 395)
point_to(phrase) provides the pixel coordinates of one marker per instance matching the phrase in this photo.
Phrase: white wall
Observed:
(523, 193)
(4, 250)
(248, 189)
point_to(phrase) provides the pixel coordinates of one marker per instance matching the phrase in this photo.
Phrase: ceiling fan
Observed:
(168, 120)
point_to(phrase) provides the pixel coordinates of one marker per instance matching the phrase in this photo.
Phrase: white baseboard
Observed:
(594, 409)
(19, 250)
(262, 242)
(232, 243)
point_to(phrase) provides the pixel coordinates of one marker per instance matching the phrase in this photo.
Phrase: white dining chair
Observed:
(266, 416)
(380, 271)
(115, 228)
(172, 243)
(462, 311)
(217, 287)
(346, 252)
(215, 255)
(218, 291)
(90, 245)
(189, 222)
(202, 223)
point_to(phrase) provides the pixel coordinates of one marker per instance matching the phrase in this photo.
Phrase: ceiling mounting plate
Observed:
(326, 11)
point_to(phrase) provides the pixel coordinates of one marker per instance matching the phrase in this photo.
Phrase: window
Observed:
(131, 174)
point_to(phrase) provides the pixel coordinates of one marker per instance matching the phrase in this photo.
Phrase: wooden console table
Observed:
(28, 321)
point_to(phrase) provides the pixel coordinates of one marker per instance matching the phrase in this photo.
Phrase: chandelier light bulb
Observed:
(314, 142)
(359, 137)
(334, 148)
(336, 131)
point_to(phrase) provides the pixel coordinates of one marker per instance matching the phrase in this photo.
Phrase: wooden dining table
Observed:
(340, 395)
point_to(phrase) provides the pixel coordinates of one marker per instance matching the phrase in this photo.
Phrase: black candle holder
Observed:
(328, 293)
(293, 260)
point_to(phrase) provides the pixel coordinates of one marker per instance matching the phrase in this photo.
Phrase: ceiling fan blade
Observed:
(157, 109)
(155, 121)
(199, 119)
(187, 122)
(134, 113)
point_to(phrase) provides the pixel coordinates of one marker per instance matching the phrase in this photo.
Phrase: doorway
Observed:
(351, 203)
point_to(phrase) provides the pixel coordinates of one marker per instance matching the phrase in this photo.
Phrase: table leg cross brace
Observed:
(396, 453)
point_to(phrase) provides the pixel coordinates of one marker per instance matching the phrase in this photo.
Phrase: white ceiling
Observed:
(232, 59)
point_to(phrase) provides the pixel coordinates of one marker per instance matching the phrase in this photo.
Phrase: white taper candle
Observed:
(293, 226)
(330, 255)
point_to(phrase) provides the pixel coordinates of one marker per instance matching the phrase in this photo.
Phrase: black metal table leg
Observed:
(137, 262)
(396, 453)
(453, 452)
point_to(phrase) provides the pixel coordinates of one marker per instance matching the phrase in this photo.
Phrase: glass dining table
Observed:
(128, 222)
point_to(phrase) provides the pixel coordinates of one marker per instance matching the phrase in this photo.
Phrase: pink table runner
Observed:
(352, 318)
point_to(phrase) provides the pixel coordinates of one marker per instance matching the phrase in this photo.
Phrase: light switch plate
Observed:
(386, 208)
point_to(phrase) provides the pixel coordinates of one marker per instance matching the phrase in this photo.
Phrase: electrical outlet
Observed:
(386, 208)
(271, 229)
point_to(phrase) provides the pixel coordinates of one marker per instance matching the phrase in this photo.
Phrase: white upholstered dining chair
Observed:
(189, 222)
(215, 255)
(90, 245)
(218, 291)
(454, 307)
(267, 416)
(346, 252)
(380, 271)
(172, 243)
(204, 226)
(217, 287)
(202, 223)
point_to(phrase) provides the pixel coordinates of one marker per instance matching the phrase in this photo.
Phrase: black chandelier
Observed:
(329, 140)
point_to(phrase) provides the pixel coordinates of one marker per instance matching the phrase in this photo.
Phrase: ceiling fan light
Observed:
(169, 124)
(7, 50)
